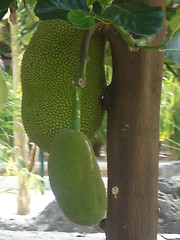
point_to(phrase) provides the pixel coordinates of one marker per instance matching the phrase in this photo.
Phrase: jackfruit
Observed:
(75, 178)
(48, 69)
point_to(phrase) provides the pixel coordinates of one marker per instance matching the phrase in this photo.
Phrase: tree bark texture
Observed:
(23, 198)
(133, 101)
(21, 148)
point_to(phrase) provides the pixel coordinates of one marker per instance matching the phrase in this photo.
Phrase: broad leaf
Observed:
(58, 9)
(175, 22)
(97, 9)
(172, 48)
(81, 19)
(138, 18)
(170, 13)
(3, 90)
(4, 48)
(4, 4)
(2, 14)
(168, 2)
(104, 3)
(90, 3)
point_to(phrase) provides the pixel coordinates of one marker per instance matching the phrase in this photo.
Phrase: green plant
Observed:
(11, 110)
(20, 169)
(27, 22)
(7, 114)
(170, 110)
(175, 136)
(167, 103)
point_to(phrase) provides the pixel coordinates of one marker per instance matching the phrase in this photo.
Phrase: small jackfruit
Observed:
(48, 69)
(75, 178)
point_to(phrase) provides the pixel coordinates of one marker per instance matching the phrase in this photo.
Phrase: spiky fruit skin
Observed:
(48, 68)
(75, 178)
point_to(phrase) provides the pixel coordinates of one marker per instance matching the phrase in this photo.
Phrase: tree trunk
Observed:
(20, 138)
(133, 102)
(23, 198)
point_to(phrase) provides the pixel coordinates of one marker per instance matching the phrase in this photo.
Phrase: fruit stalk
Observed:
(80, 79)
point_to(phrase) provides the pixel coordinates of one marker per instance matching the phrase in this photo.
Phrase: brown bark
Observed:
(132, 102)
(23, 198)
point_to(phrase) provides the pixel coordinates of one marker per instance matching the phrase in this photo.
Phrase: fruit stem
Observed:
(80, 79)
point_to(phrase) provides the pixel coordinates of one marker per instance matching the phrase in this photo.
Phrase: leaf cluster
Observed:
(137, 17)
(11, 110)
(140, 19)
(20, 169)
(135, 21)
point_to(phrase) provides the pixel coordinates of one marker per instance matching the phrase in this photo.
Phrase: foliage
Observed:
(126, 18)
(4, 5)
(172, 48)
(170, 111)
(4, 37)
(138, 18)
(11, 110)
(26, 23)
(3, 87)
(169, 104)
(135, 21)
(20, 169)
(172, 45)
(175, 136)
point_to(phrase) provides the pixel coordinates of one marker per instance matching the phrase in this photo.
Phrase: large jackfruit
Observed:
(75, 178)
(49, 66)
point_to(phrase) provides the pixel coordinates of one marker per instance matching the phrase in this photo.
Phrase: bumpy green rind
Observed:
(48, 69)
(75, 178)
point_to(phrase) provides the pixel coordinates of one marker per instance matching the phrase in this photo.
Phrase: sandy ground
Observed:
(8, 203)
(9, 235)
(8, 208)
(23, 235)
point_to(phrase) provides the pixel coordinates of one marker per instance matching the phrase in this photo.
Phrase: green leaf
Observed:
(27, 37)
(80, 19)
(2, 14)
(90, 3)
(97, 9)
(21, 164)
(104, 3)
(4, 4)
(3, 89)
(175, 22)
(58, 9)
(170, 13)
(138, 18)
(172, 48)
